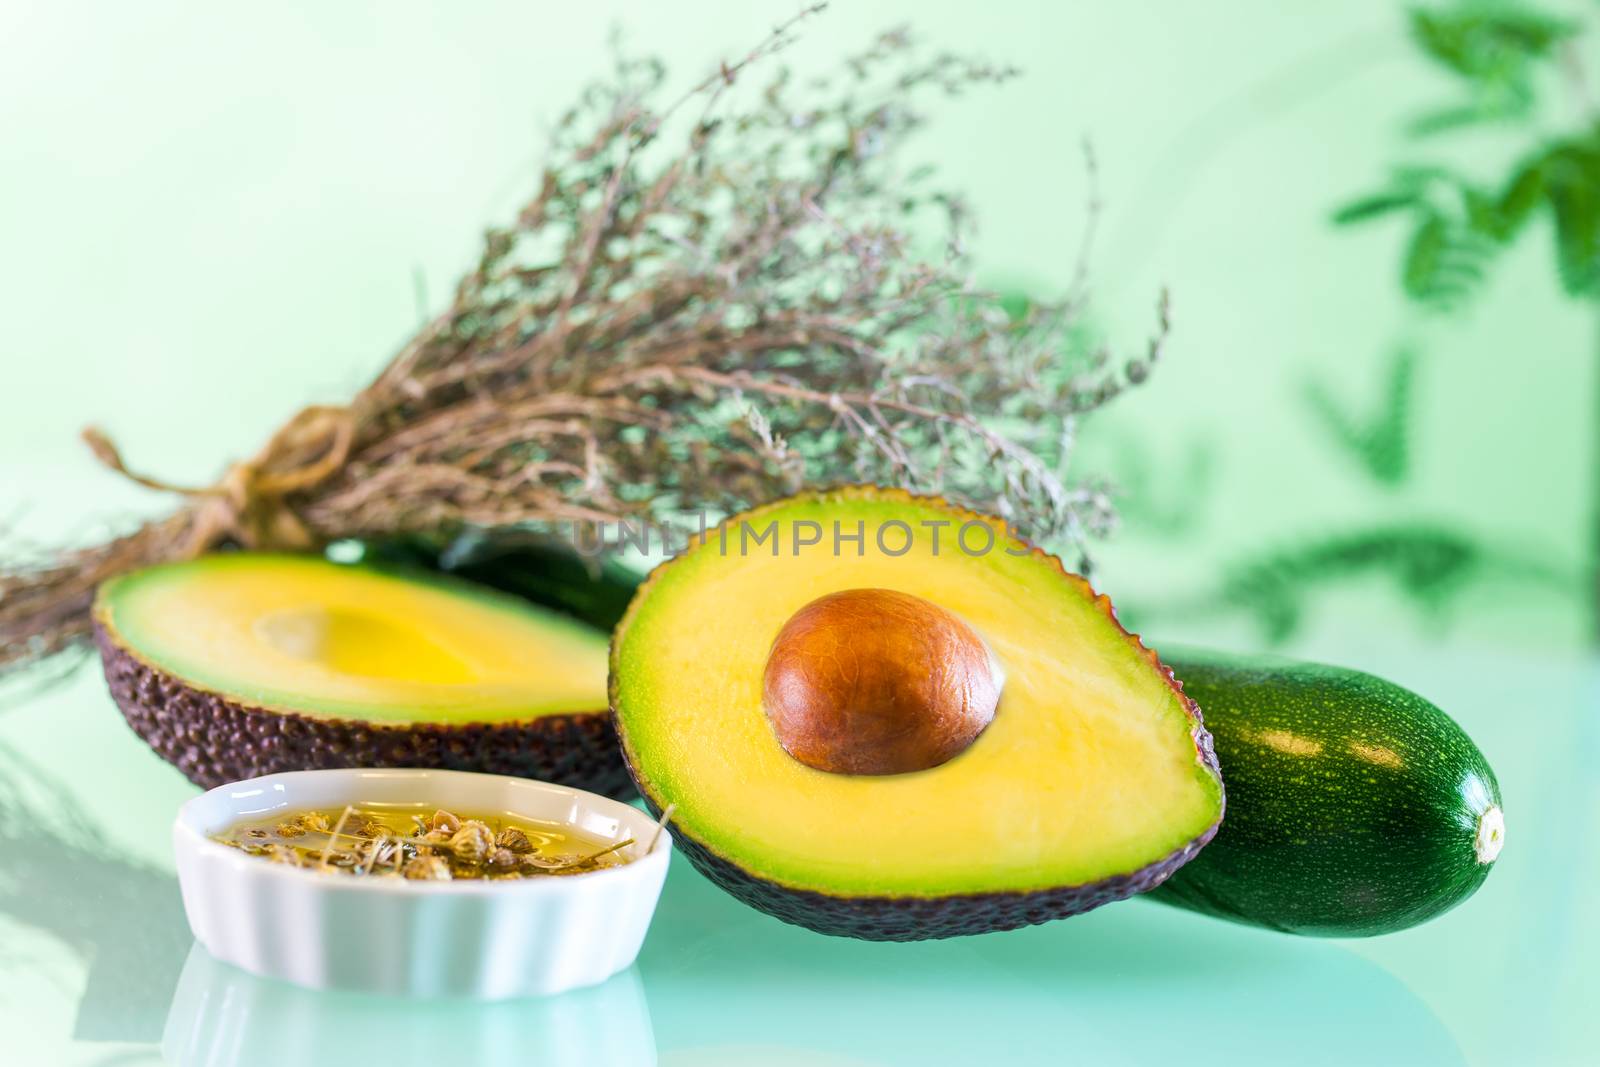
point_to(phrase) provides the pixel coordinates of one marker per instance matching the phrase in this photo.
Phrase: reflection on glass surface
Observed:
(123, 919)
(1130, 983)
(223, 1017)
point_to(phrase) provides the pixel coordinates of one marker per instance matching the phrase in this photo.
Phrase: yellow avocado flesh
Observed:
(302, 634)
(1088, 770)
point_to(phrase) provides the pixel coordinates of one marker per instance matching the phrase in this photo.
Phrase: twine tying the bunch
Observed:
(249, 504)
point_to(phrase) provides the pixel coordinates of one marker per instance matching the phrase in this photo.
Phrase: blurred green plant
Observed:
(1378, 441)
(1164, 496)
(1497, 48)
(1503, 56)
(1430, 564)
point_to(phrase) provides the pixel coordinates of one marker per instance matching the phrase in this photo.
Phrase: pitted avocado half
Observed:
(885, 739)
(241, 664)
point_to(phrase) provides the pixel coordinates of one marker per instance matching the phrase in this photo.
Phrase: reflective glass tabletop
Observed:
(97, 965)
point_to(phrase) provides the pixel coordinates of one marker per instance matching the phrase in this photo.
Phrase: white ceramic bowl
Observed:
(487, 939)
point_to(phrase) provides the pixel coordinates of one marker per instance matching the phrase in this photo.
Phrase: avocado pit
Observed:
(875, 681)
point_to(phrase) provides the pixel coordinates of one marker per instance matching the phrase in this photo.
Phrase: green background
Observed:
(213, 214)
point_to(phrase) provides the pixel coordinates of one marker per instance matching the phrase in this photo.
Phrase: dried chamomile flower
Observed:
(364, 827)
(289, 829)
(502, 859)
(443, 820)
(427, 868)
(436, 837)
(314, 821)
(284, 854)
(514, 839)
(472, 842)
(257, 833)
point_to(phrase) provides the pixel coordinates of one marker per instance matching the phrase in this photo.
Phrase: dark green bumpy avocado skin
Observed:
(214, 740)
(921, 918)
(1353, 804)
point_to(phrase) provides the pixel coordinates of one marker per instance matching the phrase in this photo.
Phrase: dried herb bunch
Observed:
(707, 303)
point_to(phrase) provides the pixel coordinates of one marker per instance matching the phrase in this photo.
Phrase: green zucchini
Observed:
(1354, 806)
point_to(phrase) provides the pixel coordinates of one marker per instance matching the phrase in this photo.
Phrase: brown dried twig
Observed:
(689, 313)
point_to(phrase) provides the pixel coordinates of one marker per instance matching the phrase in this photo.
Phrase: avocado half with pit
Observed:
(881, 716)
(241, 664)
